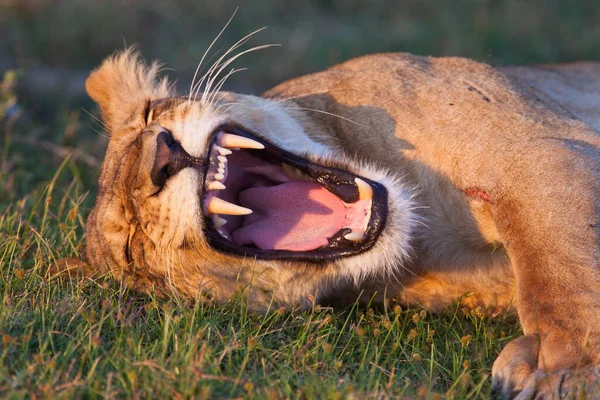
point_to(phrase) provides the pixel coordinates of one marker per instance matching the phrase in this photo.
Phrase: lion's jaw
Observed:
(159, 234)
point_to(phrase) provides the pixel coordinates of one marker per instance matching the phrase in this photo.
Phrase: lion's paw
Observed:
(515, 376)
(514, 368)
(563, 384)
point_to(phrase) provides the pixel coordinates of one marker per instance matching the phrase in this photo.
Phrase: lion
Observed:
(415, 178)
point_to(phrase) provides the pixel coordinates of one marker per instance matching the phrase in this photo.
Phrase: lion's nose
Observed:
(170, 159)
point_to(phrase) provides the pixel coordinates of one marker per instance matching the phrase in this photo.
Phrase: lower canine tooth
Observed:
(216, 185)
(354, 236)
(218, 221)
(365, 191)
(235, 141)
(219, 206)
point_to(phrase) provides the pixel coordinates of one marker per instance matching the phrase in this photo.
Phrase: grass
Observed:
(63, 338)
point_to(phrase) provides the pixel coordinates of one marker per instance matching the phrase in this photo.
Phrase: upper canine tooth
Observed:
(219, 206)
(216, 185)
(222, 151)
(150, 116)
(235, 141)
(354, 236)
(365, 191)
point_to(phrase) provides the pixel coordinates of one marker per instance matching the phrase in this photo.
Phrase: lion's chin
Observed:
(264, 202)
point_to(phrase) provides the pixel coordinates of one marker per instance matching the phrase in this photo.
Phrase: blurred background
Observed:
(47, 48)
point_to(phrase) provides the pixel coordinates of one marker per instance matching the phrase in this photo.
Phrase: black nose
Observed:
(170, 159)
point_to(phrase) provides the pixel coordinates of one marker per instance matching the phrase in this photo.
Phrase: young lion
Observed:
(421, 178)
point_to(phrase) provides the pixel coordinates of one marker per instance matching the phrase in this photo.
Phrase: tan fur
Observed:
(492, 176)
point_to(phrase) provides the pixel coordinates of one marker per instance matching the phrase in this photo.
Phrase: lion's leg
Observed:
(548, 221)
(435, 292)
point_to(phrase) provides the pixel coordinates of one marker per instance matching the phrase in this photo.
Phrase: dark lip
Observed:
(337, 248)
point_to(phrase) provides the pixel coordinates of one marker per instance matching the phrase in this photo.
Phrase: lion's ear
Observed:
(122, 83)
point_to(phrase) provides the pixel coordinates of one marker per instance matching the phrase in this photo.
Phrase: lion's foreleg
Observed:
(549, 220)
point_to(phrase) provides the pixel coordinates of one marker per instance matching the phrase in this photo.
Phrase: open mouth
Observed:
(262, 201)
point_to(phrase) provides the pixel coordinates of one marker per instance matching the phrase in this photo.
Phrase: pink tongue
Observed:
(297, 216)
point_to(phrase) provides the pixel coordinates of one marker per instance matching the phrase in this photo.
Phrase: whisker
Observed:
(210, 61)
(207, 50)
(232, 59)
(230, 106)
(331, 114)
(299, 96)
(215, 65)
(218, 63)
(99, 132)
(195, 89)
(96, 119)
(222, 82)
(273, 103)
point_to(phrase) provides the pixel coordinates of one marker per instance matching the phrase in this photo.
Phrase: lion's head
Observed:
(210, 193)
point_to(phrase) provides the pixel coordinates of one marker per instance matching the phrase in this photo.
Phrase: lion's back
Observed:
(576, 86)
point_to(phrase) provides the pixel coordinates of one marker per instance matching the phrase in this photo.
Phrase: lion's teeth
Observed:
(294, 173)
(354, 236)
(222, 159)
(216, 185)
(219, 206)
(230, 141)
(218, 221)
(219, 176)
(150, 116)
(221, 170)
(365, 191)
(222, 151)
(222, 233)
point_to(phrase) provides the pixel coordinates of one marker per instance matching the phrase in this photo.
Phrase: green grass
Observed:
(63, 338)
(95, 338)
